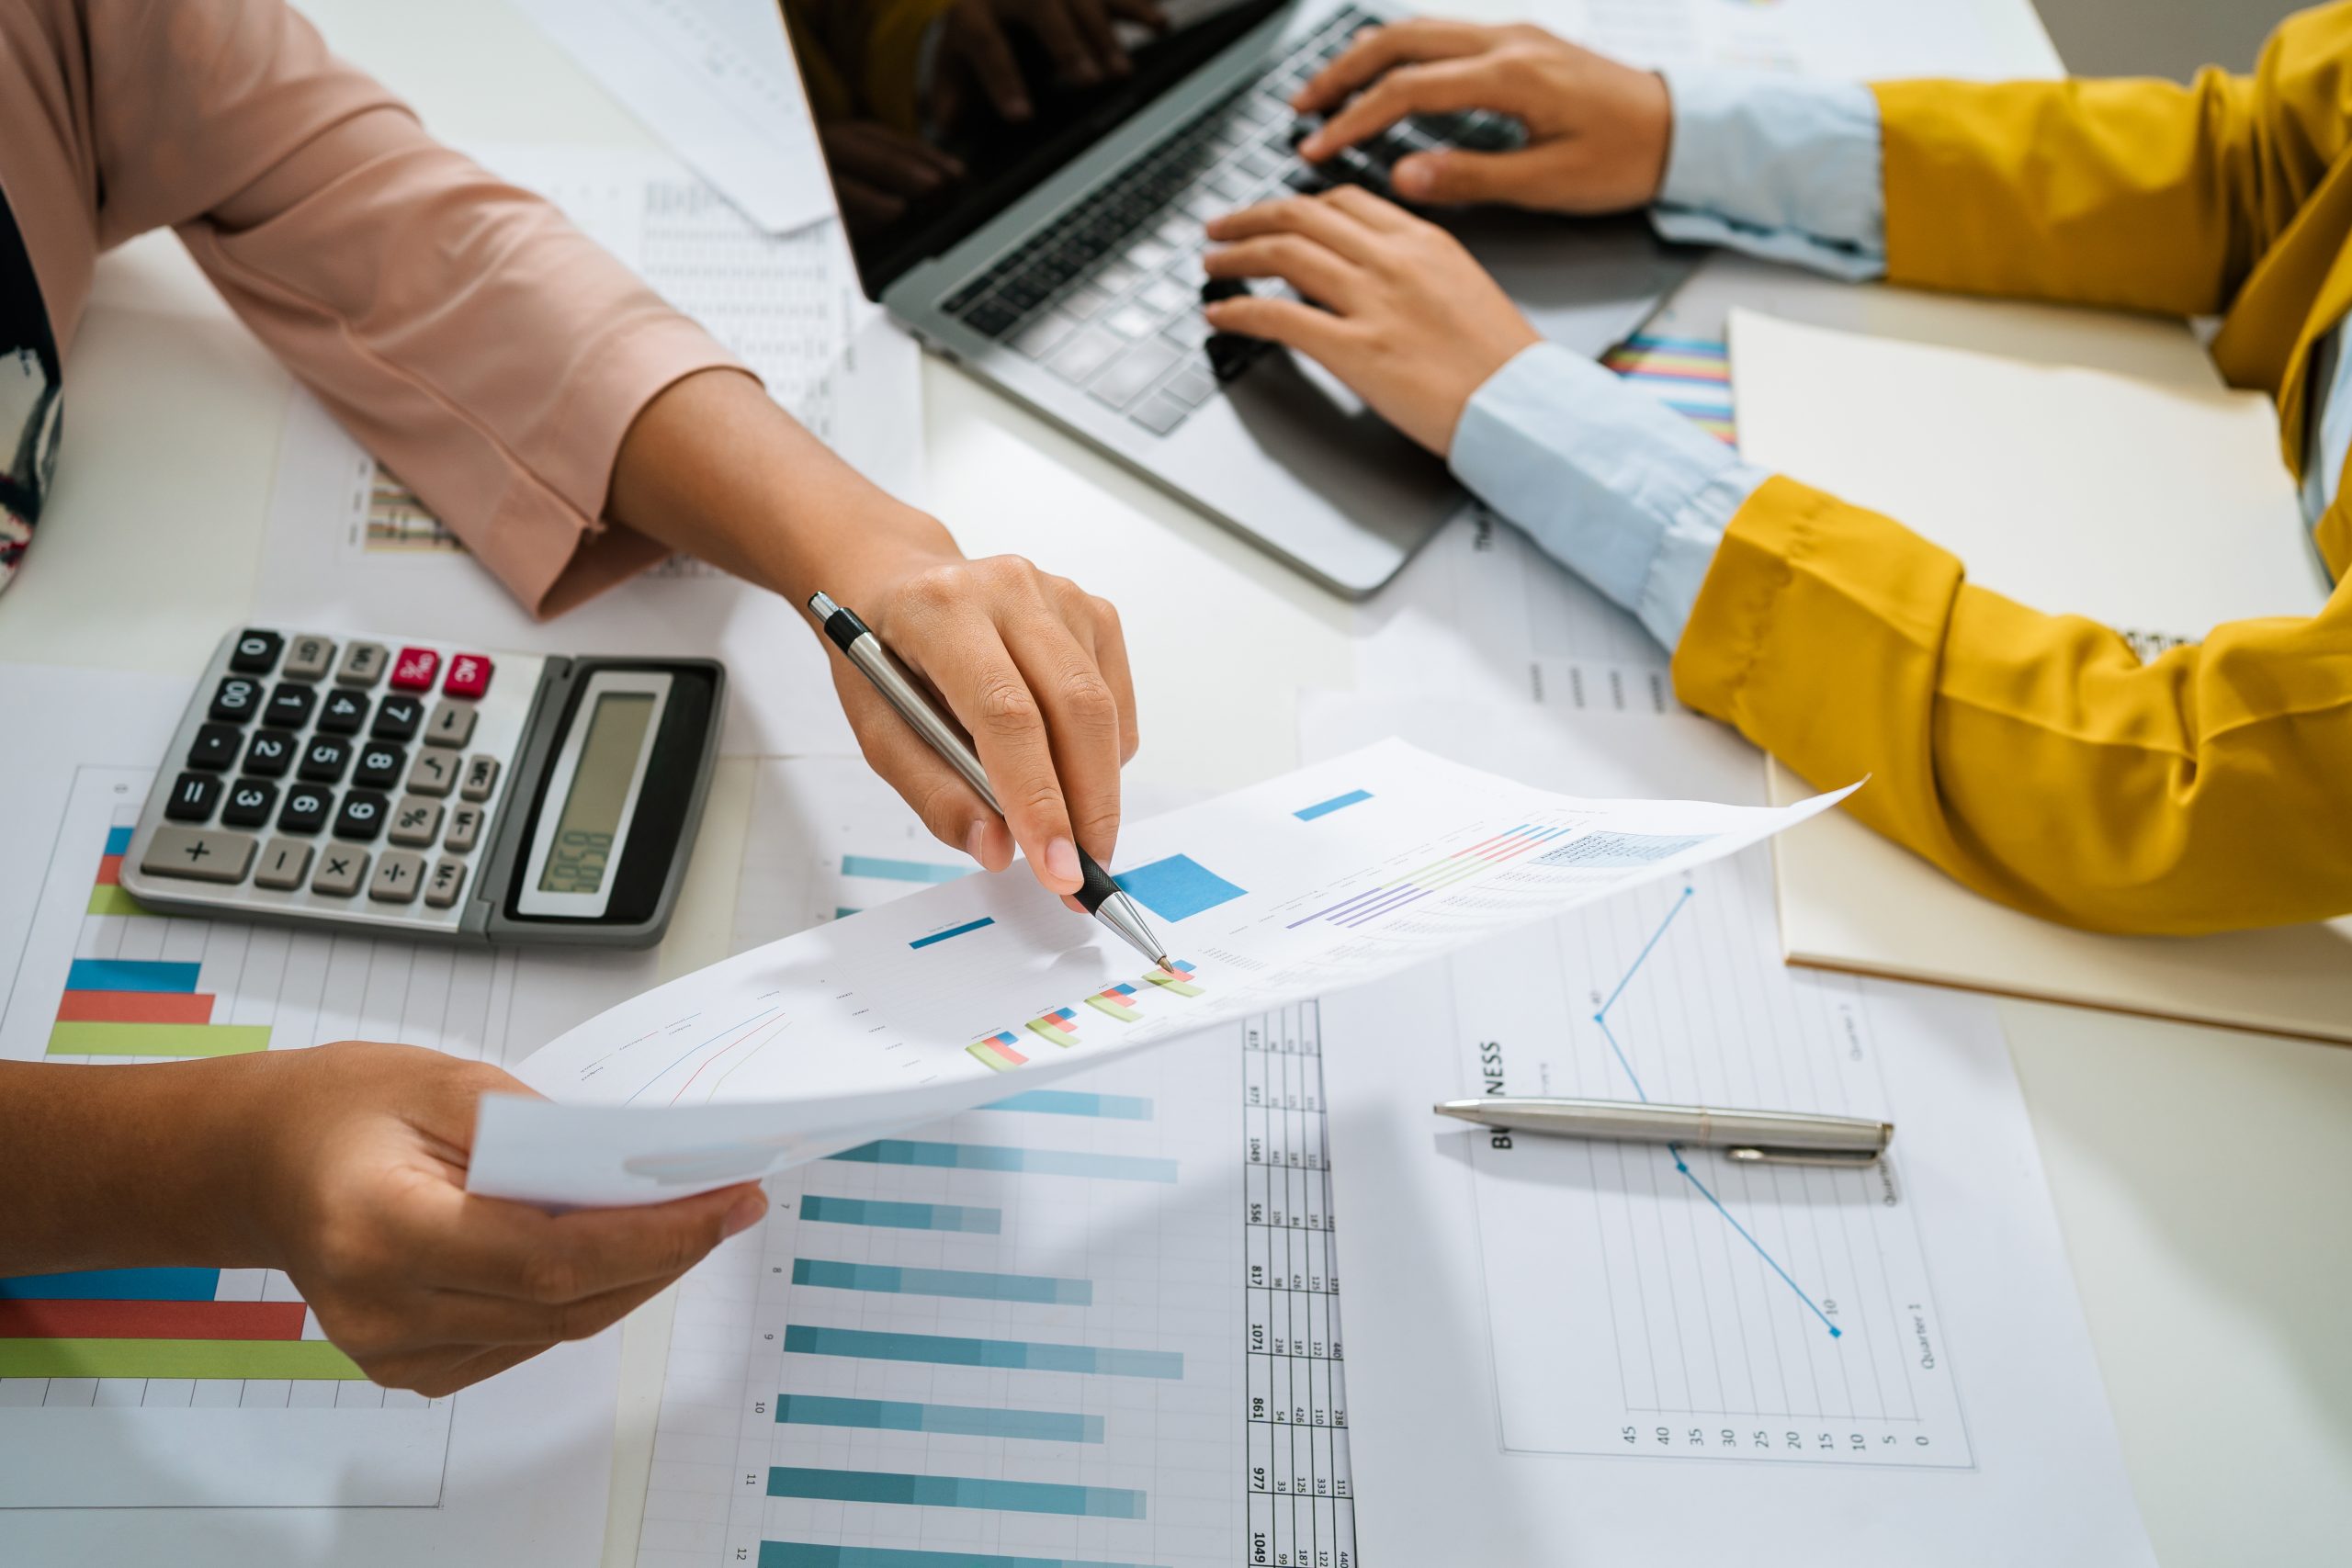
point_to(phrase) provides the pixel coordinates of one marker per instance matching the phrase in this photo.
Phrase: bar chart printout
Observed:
(1094, 1325)
(225, 1371)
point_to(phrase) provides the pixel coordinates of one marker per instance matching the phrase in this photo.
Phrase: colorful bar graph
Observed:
(310, 1359)
(997, 1052)
(1690, 376)
(1373, 903)
(100, 1319)
(1009, 1355)
(808, 1555)
(954, 1492)
(119, 841)
(108, 898)
(1178, 887)
(1118, 1001)
(130, 974)
(902, 1216)
(1338, 802)
(1619, 850)
(115, 1285)
(890, 870)
(960, 1420)
(1004, 1157)
(72, 1039)
(968, 927)
(1177, 981)
(1059, 1026)
(968, 1284)
(135, 1006)
(1075, 1102)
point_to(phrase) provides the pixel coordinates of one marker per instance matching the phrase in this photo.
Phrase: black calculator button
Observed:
(215, 748)
(256, 652)
(291, 705)
(342, 712)
(306, 809)
(249, 803)
(362, 816)
(238, 699)
(397, 717)
(324, 759)
(193, 798)
(380, 765)
(270, 753)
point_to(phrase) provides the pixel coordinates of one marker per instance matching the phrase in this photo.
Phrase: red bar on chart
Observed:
(150, 1320)
(134, 1007)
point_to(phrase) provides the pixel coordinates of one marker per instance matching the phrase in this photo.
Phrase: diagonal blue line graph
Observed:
(1600, 1017)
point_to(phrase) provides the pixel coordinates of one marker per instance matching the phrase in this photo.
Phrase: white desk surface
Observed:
(2204, 1179)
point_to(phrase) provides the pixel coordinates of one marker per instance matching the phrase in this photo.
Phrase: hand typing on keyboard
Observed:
(1595, 131)
(1400, 310)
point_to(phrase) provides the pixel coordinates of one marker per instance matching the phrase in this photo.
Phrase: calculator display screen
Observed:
(583, 848)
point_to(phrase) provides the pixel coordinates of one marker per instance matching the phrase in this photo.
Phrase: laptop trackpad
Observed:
(1302, 420)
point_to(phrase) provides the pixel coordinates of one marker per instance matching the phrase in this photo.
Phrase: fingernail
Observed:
(1414, 176)
(1311, 149)
(977, 840)
(1018, 108)
(1061, 859)
(747, 1212)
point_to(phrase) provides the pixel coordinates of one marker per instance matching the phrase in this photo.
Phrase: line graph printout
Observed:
(1094, 1323)
(902, 1012)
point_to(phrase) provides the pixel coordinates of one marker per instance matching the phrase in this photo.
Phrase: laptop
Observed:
(1063, 265)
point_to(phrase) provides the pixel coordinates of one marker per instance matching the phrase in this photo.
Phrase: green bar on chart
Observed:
(306, 1359)
(82, 1039)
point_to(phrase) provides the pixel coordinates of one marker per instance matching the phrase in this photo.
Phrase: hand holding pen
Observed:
(1097, 895)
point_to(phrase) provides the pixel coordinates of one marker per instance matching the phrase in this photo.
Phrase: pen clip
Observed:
(1843, 1158)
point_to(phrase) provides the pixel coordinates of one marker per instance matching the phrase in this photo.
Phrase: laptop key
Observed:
(1131, 321)
(1045, 334)
(1188, 330)
(1160, 413)
(1165, 298)
(1135, 370)
(1116, 278)
(1192, 385)
(1085, 302)
(1085, 354)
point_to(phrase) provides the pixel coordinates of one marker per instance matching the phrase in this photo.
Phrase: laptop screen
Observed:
(936, 115)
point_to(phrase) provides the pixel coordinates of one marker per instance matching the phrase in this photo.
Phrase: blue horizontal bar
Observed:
(807, 1555)
(1325, 808)
(954, 1492)
(961, 1420)
(993, 1156)
(969, 1284)
(843, 911)
(130, 974)
(1072, 1102)
(1013, 1355)
(115, 1285)
(119, 841)
(900, 870)
(967, 927)
(902, 1216)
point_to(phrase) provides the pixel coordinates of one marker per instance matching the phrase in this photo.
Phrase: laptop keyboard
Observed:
(1107, 297)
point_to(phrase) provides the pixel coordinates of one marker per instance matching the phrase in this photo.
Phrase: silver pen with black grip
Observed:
(1099, 896)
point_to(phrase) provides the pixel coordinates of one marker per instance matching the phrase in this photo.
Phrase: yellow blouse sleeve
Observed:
(2140, 195)
(2034, 757)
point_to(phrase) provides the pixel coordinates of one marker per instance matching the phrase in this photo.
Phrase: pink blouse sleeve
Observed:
(477, 344)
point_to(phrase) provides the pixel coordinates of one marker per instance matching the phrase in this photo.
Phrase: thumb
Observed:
(1515, 177)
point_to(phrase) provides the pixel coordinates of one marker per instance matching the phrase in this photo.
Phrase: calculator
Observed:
(409, 788)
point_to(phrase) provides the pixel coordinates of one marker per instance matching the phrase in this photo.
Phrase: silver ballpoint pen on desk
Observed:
(1784, 1137)
(1100, 896)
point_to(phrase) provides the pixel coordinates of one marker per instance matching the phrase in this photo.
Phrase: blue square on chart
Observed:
(1177, 888)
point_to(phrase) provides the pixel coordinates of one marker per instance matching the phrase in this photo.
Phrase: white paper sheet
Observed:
(909, 1011)
(1854, 39)
(230, 1472)
(348, 546)
(1617, 1348)
(715, 80)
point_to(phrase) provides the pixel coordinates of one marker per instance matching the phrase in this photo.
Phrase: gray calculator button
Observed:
(481, 777)
(448, 879)
(284, 862)
(398, 877)
(308, 658)
(363, 664)
(342, 869)
(198, 854)
(416, 821)
(465, 827)
(452, 724)
(433, 773)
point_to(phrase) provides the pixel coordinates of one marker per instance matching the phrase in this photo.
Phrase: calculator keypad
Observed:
(337, 777)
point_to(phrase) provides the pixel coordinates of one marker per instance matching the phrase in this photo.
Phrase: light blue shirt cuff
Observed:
(1620, 490)
(1778, 167)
